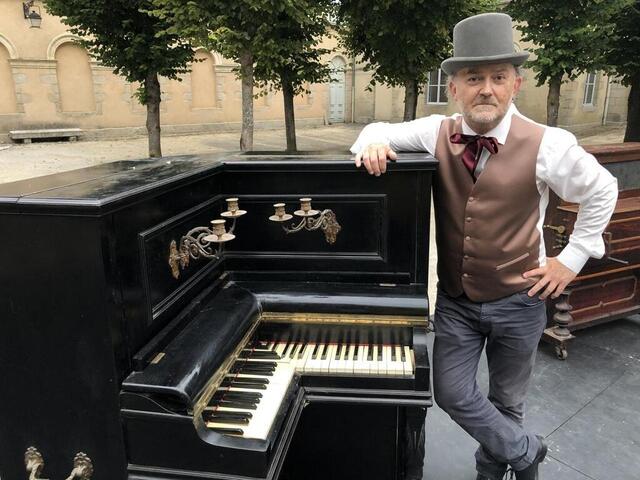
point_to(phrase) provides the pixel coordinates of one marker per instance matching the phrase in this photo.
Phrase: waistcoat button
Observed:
(466, 275)
(471, 199)
(468, 219)
(467, 237)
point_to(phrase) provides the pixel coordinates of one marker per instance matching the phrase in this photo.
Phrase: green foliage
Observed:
(282, 36)
(623, 55)
(570, 37)
(403, 40)
(123, 36)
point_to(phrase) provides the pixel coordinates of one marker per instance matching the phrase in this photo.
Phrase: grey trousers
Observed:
(511, 328)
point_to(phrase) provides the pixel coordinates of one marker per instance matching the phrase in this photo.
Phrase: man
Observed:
(490, 195)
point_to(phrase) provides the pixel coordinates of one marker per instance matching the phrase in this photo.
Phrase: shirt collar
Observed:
(500, 131)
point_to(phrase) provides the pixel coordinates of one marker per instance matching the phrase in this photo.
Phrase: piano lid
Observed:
(342, 298)
(188, 362)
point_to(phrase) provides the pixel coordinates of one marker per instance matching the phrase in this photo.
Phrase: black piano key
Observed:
(355, 351)
(256, 371)
(303, 350)
(324, 352)
(230, 415)
(233, 404)
(239, 366)
(339, 351)
(230, 421)
(393, 353)
(260, 364)
(380, 352)
(248, 386)
(403, 357)
(253, 397)
(228, 431)
(260, 381)
(370, 353)
(314, 355)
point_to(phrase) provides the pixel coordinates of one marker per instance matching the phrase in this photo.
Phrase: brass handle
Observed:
(82, 467)
(34, 463)
(556, 228)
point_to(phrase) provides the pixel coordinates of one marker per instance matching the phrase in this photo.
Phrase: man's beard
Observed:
(487, 116)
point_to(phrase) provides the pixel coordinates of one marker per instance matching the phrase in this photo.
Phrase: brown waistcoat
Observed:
(486, 231)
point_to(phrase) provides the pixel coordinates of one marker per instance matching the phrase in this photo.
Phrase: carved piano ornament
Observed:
(170, 350)
(606, 289)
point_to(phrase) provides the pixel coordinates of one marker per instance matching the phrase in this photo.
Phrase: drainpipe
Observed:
(353, 90)
(606, 101)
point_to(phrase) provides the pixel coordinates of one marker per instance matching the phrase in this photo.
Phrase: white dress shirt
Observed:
(562, 165)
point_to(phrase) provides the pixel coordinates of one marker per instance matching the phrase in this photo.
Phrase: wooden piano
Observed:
(291, 353)
(607, 288)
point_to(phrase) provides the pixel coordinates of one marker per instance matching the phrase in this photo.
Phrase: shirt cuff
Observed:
(573, 258)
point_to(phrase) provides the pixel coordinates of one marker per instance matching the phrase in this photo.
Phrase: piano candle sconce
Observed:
(310, 220)
(199, 242)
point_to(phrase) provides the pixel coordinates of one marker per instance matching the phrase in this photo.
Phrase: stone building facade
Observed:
(49, 81)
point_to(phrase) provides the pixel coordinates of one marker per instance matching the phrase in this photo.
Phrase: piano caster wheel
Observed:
(561, 352)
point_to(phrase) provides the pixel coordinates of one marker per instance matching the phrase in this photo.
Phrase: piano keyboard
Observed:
(348, 359)
(249, 397)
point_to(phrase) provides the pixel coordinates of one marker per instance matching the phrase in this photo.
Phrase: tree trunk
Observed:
(152, 87)
(632, 134)
(553, 101)
(410, 100)
(289, 116)
(246, 74)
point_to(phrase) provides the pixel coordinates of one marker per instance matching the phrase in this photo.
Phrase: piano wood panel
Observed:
(607, 288)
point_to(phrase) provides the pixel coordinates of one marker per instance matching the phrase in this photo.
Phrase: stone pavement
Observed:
(19, 161)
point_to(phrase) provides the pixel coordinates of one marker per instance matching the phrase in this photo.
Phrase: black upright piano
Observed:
(143, 338)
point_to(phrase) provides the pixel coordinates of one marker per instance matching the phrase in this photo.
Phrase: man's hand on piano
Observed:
(554, 276)
(374, 157)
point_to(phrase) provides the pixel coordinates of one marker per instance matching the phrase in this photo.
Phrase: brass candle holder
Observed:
(204, 242)
(310, 219)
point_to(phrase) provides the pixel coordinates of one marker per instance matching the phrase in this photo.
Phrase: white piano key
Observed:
(395, 364)
(408, 362)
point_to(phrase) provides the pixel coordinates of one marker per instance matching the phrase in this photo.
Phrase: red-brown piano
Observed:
(606, 289)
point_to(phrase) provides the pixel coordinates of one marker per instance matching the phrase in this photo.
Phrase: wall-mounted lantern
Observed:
(32, 13)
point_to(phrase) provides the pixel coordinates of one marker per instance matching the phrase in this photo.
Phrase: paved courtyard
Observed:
(19, 161)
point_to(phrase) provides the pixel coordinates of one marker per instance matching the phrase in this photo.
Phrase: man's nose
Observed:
(485, 88)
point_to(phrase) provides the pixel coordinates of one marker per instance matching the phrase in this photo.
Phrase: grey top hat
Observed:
(482, 39)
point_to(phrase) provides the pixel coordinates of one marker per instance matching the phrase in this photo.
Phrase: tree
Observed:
(121, 35)
(237, 32)
(401, 41)
(292, 58)
(624, 61)
(570, 38)
(274, 43)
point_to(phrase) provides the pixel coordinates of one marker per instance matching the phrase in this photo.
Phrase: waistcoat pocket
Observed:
(511, 262)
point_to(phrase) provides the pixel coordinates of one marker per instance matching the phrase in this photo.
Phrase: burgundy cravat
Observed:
(473, 148)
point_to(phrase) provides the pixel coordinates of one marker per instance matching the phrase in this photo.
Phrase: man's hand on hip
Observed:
(374, 157)
(554, 276)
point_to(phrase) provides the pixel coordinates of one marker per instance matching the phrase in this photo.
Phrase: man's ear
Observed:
(452, 90)
(516, 85)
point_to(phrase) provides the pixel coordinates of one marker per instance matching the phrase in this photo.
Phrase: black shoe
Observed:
(531, 472)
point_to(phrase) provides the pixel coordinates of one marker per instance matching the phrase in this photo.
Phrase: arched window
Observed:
(203, 81)
(7, 92)
(75, 81)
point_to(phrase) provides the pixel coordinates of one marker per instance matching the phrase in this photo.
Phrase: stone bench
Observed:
(27, 135)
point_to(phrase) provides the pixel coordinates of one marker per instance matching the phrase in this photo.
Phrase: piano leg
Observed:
(413, 445)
